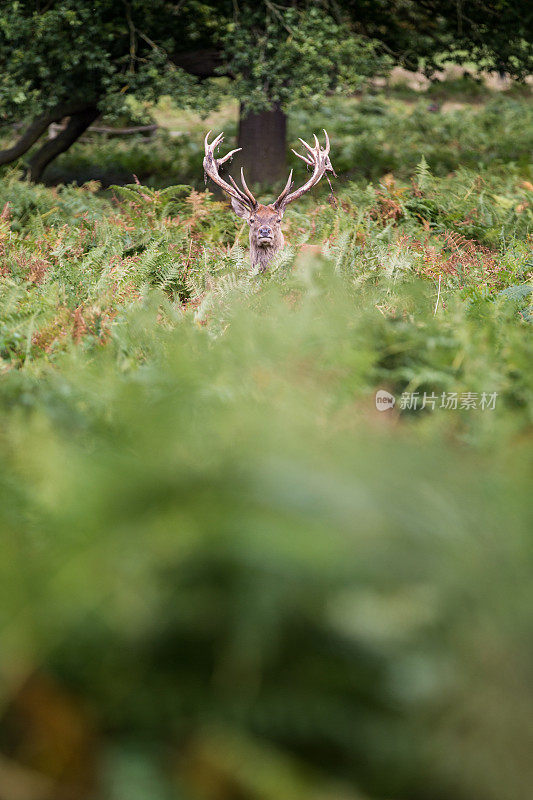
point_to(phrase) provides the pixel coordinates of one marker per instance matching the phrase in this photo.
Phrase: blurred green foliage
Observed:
(225, 575)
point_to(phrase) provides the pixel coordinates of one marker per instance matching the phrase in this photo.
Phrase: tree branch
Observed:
(78, 123)
(37, 128)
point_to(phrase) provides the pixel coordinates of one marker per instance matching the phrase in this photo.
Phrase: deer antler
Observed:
(211, 165)
(316, 157)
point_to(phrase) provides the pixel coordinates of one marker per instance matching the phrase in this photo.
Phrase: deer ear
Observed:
(240, 209)
(279, 208)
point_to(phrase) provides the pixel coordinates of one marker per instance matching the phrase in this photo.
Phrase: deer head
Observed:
(266, 237)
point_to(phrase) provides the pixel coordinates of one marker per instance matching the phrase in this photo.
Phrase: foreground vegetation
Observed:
(225, 573)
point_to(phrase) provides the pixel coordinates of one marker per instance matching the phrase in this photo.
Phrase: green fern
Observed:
(423, 175)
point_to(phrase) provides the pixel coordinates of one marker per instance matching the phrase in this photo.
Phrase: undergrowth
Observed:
(224, 571)
(72, 261)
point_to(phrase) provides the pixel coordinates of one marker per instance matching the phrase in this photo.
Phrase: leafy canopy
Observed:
(285, 55)
(104, 51)
(99, 52)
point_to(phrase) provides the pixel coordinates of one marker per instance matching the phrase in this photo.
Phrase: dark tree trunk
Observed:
(78, 124)
(263, 138)
(202, 63)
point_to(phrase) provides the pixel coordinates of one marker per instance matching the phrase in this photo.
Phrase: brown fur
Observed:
(262, 252)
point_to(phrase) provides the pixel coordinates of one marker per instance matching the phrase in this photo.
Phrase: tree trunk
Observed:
(263, 138)
(77, 125)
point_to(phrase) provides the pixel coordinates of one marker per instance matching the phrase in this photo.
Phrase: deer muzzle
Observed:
(265, 235)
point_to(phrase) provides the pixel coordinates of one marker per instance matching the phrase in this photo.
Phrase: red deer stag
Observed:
(266, 238)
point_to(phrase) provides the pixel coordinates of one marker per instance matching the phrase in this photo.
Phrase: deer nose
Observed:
(265, 230)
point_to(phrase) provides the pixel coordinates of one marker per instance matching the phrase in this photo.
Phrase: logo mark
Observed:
(384, 400)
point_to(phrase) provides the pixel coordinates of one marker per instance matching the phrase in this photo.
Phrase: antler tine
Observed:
(211, 165)
(246, 189)
(228, 156)
(307, 146)
(304, 158)
(329, 165)
(318, 158)
(285, 191)
(216, 140)
(238, 189)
